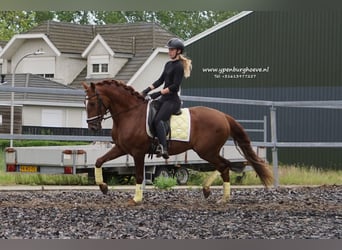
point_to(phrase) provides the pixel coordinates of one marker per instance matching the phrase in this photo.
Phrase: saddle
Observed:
(154, 107)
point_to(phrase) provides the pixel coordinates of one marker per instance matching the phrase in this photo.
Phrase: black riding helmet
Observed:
(175, 43)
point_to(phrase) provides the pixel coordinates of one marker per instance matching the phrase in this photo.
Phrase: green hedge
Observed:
(35, 143)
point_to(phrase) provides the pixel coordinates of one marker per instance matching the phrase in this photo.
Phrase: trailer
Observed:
(81, 159)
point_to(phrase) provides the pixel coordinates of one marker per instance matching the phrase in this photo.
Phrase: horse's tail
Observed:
(242, 139)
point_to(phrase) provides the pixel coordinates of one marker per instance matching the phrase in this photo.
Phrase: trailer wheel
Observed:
(161, 171)
(182, 175)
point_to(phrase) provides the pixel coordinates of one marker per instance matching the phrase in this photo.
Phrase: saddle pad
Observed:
(180, 125)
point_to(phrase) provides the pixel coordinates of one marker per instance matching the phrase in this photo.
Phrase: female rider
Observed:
(172, 76)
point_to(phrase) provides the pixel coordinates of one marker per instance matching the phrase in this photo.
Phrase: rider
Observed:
(174, 71)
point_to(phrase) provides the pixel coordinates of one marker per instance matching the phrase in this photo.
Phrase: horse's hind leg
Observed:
(222, 165)
(208, 182)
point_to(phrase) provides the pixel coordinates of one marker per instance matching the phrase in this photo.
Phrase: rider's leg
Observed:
(163, 114)
(161, 134)
(167, 108)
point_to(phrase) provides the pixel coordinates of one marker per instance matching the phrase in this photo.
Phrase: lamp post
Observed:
(38, 52)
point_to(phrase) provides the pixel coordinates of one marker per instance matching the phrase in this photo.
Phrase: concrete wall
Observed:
(150, 73)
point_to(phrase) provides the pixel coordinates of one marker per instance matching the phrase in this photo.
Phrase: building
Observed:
(74, 53)
(275, 56)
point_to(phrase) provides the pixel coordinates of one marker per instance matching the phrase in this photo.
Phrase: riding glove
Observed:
(145, 91)
(155, 95)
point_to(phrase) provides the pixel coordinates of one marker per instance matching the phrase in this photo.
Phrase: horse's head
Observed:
(95, 107)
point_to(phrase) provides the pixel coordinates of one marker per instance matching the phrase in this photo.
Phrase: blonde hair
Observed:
(186, 64)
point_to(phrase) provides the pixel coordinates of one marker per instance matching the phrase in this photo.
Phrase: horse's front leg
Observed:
(113, 153)
(139, 176)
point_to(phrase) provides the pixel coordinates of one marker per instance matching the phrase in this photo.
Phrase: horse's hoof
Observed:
(206, 192)
(104, 188)
(222, 201)
(132, 203)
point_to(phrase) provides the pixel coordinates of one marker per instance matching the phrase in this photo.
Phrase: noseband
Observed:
(98, 118)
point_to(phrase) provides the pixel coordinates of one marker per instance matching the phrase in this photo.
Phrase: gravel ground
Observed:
(253, 213)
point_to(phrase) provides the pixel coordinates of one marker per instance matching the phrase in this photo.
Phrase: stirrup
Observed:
(162, 152)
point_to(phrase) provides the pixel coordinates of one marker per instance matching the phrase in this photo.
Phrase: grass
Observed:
(41, 179)
(32, 143)
(288, 175)
(309, 176)
(162, 182)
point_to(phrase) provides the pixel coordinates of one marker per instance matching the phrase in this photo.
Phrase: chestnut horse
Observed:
(210, 129)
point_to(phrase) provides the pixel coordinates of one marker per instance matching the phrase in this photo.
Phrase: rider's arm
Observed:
(177, 78)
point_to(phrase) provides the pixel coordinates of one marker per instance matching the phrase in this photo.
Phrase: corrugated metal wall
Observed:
(300, 54)
(5, 127)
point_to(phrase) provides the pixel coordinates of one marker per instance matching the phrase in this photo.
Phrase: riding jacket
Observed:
(172, 76)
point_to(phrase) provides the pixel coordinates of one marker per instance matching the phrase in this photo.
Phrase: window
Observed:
(104, 67)
(48, 76)
(100, 68)
(99, 64)
(96, 68)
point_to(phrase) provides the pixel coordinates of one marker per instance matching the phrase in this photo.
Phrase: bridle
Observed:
(100, 117)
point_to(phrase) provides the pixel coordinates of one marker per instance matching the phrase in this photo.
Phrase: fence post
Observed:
(274, 148)
(265, 128)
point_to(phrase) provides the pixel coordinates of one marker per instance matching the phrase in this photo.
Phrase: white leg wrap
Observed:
(98, 175)
(211, 179)
(138, 193)
(226, 191)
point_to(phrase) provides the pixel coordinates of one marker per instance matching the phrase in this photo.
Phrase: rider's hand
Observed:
(145, 91)
(155, 95)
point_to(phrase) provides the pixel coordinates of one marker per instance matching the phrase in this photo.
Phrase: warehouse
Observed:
(275, 56)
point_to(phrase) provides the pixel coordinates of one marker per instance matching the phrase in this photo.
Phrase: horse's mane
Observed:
(123, 85)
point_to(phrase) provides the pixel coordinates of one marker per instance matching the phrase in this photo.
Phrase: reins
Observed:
(124, 111)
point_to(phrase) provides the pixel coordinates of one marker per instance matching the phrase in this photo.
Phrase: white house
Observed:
(133, 53)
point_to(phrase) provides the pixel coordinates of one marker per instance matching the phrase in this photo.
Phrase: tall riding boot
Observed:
(161, 134)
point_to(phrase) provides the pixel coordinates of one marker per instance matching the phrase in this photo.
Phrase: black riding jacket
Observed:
(172, 76)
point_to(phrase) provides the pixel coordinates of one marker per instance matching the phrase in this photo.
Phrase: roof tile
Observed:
(138, 39)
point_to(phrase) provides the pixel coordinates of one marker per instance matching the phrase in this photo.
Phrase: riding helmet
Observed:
(175, 43)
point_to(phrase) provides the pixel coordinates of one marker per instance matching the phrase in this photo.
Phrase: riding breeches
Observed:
(167, 108)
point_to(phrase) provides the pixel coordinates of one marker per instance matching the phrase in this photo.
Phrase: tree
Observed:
(184, 24)
(187, 24)
(14, 22)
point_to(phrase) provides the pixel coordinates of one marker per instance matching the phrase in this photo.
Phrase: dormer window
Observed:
(99, 64)
(100, 68)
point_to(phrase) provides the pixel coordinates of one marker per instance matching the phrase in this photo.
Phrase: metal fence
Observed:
(274, 144)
